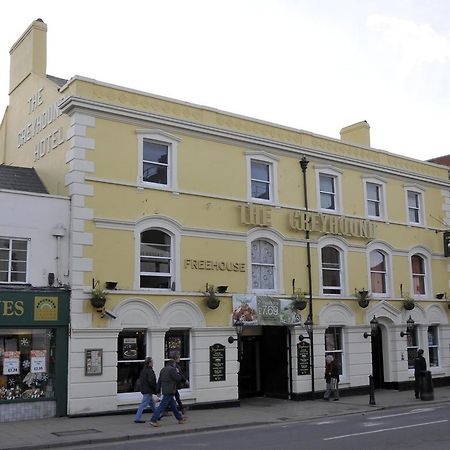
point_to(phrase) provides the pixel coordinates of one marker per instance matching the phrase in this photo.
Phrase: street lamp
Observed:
(232, 339)
(409, 327)
(309, 329)
(373, 333)
(304, 165)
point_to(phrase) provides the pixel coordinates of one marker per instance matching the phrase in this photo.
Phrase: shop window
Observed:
(27, 363)
(155, 260)
(378, 272)
(412, 347)
(433, 346)
(415, 207)
(418, 275)
(263, 265)
(13, 260)
(177, 341)
(131, 353)
(333, 345)
(331, 270)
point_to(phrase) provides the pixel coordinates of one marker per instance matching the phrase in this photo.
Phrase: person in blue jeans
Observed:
(147, 380)
(169, 377)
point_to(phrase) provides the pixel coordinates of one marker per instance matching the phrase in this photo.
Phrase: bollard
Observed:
(427, 392)
(371, 391)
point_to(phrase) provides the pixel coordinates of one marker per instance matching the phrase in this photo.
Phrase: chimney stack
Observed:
(358, 133)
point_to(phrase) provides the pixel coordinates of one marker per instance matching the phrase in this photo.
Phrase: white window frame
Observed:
(183, 358)
(414, 336)
(426, 256)
(339, 351)
(389, 275)
(337, 176)
(333, 242)
(271, 237)
(381, 184)
(167, 226)
(27, 261)
(436, 346)
(160, 137)
(420, 192)
(272, 162)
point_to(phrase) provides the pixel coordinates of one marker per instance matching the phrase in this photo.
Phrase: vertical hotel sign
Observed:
(46, 308)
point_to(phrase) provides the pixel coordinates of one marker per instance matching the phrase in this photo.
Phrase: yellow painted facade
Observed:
(208, 210)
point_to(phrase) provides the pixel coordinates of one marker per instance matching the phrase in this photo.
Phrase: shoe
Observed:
(183, 420)
(335, 399)
(139, 421)
(154, 424)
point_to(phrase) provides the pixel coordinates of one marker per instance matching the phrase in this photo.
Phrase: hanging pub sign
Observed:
(303, 358)
(264, 310)
(217, 362)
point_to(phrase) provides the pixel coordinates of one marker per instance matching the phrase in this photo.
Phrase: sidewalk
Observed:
(63, 431)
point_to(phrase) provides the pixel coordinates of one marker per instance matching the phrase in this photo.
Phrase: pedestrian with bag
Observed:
(167, 385)
(147, 381)
(420, 367)
(331, 379)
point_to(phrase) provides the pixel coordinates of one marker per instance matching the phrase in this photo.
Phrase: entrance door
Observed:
(264, 364)
(377, 359)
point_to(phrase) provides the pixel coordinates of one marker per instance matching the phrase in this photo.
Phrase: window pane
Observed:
(131, 351)
(330, 256)
(373, 209)
(378, 283)
(154, 173)
(326, 183)
(263, 265)
(260, 190)
(260, 171)
(155, 282)
(413, 199)
(155, 250)
(327, 201)
(148, 265)
(373, 191)
(18, 277)
(155, 152)
(432, 335)
(377, 261)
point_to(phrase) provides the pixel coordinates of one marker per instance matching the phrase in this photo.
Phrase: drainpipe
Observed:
(58, 232)
(304, 165)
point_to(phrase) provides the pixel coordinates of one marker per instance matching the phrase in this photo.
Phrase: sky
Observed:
(314, 65)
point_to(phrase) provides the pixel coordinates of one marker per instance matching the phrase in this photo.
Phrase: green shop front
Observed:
(33, 353)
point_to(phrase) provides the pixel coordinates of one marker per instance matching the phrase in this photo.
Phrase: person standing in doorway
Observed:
(167, 384)
(331, 378)
(147, 380)
(420, 367)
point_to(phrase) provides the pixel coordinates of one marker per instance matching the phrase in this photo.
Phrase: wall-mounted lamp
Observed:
(309, 329)
(232, 339)
(373, 328)
(409, 327)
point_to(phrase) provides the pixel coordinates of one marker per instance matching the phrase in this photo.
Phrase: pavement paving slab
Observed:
(61, 432)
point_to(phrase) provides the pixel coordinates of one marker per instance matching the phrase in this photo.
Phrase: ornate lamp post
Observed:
(373, 333)
(304, 165)
(409, 327)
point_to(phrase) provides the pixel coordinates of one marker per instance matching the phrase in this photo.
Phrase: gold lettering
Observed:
(19, 309)
(8, 308)
(201, 264)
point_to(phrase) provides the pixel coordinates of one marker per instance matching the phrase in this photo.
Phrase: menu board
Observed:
(93, 361)
(217, 362)
(303, 358)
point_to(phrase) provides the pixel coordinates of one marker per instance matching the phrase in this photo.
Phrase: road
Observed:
(400, 428)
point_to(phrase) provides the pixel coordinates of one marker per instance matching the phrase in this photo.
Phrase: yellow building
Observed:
(171, 200)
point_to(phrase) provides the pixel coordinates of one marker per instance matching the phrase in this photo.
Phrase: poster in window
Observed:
(129, 348)
(38, 361)
(329, 342)
(93, 361)
(174, 344)
(11, 363)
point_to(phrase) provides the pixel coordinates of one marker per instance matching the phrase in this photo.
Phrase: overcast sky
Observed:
(315, 65)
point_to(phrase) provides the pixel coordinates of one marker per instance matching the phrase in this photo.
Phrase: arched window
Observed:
(156, 260)
(378, 272)
(263, 265)
(418, 274)
(331, 271)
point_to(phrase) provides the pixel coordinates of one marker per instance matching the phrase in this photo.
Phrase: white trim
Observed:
(421, 193)
(162, 137)
(383, 201)
(263, 157)
(426, 256)
(386, 249)
(336, 174)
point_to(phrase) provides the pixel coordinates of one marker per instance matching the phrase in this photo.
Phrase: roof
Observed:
(21, 179)
(59, 81)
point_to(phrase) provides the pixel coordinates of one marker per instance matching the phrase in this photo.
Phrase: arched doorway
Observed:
(377, 358)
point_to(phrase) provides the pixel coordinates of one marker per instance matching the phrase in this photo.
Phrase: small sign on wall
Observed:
(93, 361)
(217, 362)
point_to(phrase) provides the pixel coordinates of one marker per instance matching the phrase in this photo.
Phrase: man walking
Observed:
(167, 384)
(147, 380)
(420, 367)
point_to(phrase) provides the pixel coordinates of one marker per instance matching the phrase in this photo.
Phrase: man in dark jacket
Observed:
(420, 367)
(167, 384)
(147, 380)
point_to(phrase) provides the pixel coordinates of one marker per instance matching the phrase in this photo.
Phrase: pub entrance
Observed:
(377, 359)
(264, 362)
